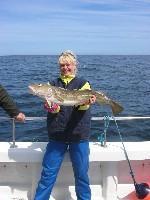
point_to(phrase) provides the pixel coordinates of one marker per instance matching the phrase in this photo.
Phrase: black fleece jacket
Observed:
(7, 103)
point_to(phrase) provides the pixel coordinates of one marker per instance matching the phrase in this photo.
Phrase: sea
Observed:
(124, 78)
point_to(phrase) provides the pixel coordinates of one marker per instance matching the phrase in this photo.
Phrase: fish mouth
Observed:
(32, 90)
(35, 92)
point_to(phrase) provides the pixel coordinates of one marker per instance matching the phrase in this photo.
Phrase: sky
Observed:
(102, 27)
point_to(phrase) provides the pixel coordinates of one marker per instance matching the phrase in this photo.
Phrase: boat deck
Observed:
(109, 171)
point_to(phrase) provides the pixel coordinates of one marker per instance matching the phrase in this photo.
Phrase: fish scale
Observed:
(67, 97)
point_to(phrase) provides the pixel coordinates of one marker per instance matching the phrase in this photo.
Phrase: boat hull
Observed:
(110, 178)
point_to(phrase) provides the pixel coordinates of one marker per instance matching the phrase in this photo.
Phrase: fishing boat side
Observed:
(109, 172)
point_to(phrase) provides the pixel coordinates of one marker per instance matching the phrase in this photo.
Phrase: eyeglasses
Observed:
(68, 52)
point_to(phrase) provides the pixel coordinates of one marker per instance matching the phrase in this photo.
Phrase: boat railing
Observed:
(44, 118)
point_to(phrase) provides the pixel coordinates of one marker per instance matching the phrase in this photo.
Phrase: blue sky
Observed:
(84, 26)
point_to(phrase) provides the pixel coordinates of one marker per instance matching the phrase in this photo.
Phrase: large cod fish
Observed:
(67, 97)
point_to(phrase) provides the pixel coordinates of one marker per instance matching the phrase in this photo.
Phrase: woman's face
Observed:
(67, 69)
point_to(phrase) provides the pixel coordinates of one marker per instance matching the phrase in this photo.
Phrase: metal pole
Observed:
(13, 134)
(92, 118)
(121, 118)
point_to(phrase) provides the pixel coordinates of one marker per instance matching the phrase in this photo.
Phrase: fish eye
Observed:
(49, 90)
(39, 85)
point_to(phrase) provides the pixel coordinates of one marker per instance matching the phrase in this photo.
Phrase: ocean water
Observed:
(125, 79)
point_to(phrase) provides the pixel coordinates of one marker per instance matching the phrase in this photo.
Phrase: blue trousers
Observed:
(55, 151)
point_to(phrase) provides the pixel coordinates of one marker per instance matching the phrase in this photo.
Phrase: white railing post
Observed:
(13, 134)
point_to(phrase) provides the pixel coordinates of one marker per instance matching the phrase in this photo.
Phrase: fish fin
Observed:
(49, 101)
(116, 108)
(61, 100)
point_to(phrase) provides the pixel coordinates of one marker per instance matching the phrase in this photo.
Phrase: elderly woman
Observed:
(68, 129)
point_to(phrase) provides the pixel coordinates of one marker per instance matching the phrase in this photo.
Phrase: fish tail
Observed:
(116, 108)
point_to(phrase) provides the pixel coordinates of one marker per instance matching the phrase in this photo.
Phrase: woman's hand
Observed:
(92, 99)
(51, 107)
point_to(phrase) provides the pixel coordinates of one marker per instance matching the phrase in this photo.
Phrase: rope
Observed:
(102, 140)
(125, 152)
(102, 137)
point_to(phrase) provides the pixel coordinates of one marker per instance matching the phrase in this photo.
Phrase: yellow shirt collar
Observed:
(67, 79)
